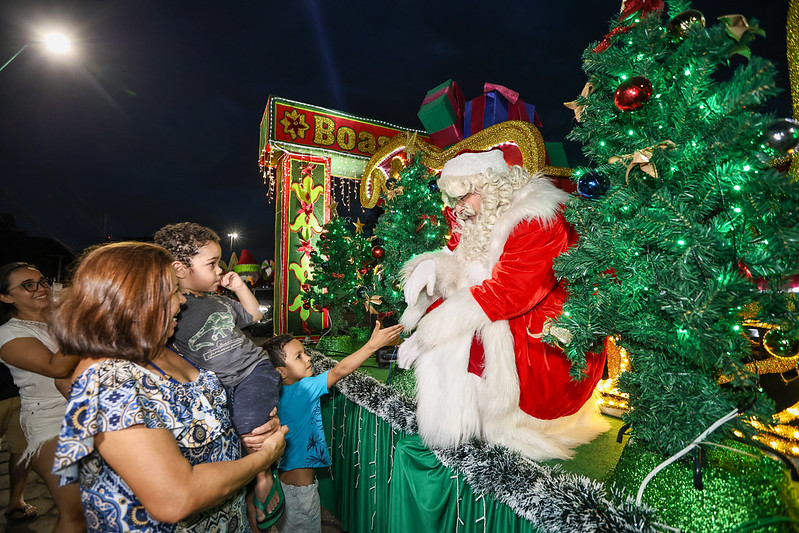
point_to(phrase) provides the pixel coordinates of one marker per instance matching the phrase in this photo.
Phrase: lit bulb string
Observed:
(725, 209)
(718, 423)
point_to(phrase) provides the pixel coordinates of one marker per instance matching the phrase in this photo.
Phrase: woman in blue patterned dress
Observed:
(146, 433)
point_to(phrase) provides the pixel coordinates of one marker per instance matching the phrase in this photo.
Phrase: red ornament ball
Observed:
(306, 305)
(378, 252)
(633, 93)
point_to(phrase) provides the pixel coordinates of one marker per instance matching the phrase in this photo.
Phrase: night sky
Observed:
(156, 118)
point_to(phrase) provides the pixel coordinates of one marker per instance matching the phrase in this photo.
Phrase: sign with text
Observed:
(287, 122)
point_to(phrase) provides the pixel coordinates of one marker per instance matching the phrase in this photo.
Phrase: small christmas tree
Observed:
(678, 215)
(353, 272)
(413, 223)
(342, 271)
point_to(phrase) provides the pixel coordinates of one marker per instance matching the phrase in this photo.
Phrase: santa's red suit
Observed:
(523, 396)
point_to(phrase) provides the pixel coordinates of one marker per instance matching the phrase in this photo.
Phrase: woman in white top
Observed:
(33, 359)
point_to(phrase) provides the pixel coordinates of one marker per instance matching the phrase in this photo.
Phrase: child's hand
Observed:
(232, 281)
(384, 336)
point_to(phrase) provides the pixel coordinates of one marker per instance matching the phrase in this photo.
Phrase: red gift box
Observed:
(447, 137)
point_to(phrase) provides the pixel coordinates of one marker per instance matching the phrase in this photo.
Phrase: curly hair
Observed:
(496, 192)
(118, 304)
(185, 239)
(275, 349)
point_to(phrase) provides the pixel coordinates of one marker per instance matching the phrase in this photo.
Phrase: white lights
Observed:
(57, 42)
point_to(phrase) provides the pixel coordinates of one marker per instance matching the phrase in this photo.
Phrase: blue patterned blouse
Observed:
(115, 394)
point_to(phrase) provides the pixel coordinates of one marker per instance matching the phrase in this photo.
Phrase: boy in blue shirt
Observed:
(299, 408)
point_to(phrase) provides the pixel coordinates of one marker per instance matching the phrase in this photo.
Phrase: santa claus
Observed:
(479, 314)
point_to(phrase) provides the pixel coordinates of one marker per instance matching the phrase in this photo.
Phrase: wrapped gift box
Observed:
(496, 105)
(441, 113)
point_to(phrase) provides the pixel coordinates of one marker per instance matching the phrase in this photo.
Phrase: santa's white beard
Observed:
(475, 235)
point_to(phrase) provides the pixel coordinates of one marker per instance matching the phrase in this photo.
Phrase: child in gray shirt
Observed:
(209, 335)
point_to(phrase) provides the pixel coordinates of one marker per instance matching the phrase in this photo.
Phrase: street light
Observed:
(57, 42)
(233, 236)
(54, 42)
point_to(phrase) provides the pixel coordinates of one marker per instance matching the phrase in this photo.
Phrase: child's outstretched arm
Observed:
(380, 337)
(247, 299)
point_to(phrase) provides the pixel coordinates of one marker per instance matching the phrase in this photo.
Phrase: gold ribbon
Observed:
(792, 38)
(579, 108)
(367, 304)
(523, 134)
(393, 193)
(642, 159)
(739, 29)
(737, 26)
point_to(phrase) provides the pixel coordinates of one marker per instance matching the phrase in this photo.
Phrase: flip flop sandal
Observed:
(277, 512)
(22, 513)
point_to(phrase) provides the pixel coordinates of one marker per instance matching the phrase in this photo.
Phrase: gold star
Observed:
(359, 226)
(333, 209)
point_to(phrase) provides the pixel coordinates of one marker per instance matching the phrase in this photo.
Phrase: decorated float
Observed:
(686, 266)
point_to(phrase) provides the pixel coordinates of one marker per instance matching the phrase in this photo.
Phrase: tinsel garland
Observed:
(551, 500)
(370, 394)
(792, 44)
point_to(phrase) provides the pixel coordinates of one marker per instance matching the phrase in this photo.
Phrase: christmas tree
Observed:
(684, 228)
(353, 272)
(342, 271)
(413, 223)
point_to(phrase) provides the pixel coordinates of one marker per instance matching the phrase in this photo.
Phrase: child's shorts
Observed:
(251, 401)
(303, 512)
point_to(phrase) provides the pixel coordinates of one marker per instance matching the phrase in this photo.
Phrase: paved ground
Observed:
(36, 493)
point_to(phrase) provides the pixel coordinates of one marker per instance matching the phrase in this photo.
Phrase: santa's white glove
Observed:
(422, 277)
(408, 352)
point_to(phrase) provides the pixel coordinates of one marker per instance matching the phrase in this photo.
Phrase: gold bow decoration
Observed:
(523, 135)
(579, 108)
(739, 29)
(562, 335)
(370, 302)
(393, 193)
(642, 159)
(737, 26)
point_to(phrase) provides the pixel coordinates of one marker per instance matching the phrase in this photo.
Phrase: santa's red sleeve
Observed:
(523, 276)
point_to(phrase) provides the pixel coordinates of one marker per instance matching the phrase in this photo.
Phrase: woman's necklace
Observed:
(28, 321)
(168, 376)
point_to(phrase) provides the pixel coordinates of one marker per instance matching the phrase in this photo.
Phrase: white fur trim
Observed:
(459, 316)
(447, 402)
(542, 440)
(469, 164)
(539, 200)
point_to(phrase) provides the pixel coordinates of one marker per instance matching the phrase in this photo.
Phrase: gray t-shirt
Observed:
(209, 334)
